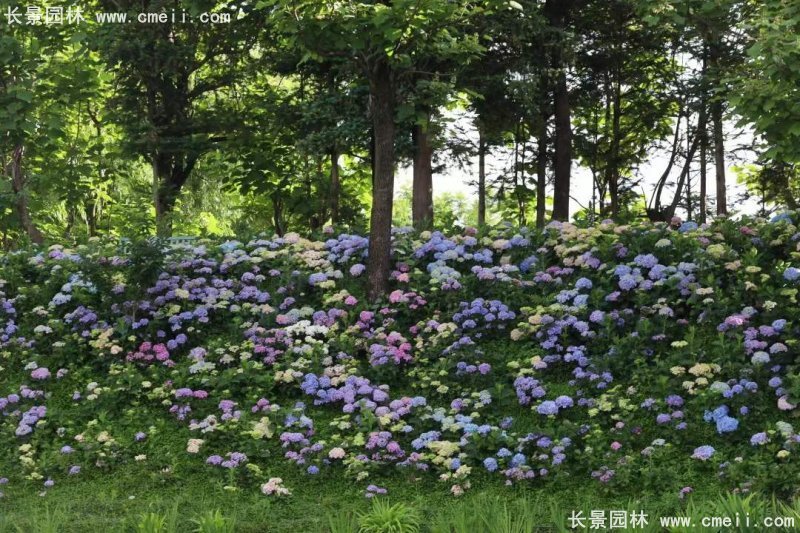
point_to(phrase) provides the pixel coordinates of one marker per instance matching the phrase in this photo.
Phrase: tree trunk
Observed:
(316, 217)
(607, 166)
(380, 231)
(613, 184)
(70, 220)
(703, 140)
(481, 178)
(662, 181)
(335, 187)
(786, 190)
(277, 214)
(372, 154)
(689, 181)
(541, 173)
(563, 150)
(703, 166)
(719, 158)
(166, 197)
(170, 173)
(670, 211)
(160, 196)
(422, 189)
(21, 197)
(519, 178)
(557, 12)
(91, 210)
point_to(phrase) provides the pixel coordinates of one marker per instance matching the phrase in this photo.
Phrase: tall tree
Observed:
(381, 41)
(623, 105)
(171, 80)
(559, 15)
(422, 197)
(23, 58)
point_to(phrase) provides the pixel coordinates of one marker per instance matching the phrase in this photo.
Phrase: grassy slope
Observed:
(114, 503)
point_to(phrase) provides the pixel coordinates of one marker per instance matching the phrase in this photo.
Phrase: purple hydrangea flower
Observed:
(703, 453)
(547, 408)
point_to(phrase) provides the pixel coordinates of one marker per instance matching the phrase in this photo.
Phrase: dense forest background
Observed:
(278, 115)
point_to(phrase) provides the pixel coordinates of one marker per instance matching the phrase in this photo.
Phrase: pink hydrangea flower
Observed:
(40, 373)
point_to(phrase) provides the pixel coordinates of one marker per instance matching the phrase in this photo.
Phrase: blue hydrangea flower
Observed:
(646, 261)
(563, 402)
(791, 274)
(627, 282)
(316, 278)
(781, 217)
(547, 407)
(703, 453)
(727, 424)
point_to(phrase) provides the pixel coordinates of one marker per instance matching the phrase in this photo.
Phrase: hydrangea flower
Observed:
(703, 453)
(791, 274)
(547, 407)
(727, 424)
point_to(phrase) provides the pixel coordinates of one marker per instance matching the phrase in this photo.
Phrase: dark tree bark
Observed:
(422, 188)
(714, 48)
(786, 190)
(654, 210)
(670, 211)
(372, 154)
(90, 208)
(277, 214)
(541, 172)
(92, 205)
(382, 92)
(335, 186)
(703, 139)
(613, 164)
(602, 185)
(557, 12)
(719, 157)
(70, 220)
(481, 178)
(170, 173)
(17, 175)
(703, 166)
(563, 150)
(519, 174)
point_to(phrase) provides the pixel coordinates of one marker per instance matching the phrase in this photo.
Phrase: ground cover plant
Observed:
(648, 359)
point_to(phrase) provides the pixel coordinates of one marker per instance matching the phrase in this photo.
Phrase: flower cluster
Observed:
(601, 352)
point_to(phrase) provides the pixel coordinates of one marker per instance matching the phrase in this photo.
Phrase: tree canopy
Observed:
(227, 117)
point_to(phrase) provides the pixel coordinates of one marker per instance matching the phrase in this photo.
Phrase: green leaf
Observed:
(25, 95)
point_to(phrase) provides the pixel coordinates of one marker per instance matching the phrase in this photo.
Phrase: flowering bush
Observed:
(599, 353)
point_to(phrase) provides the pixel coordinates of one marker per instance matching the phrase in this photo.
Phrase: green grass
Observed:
(130, 501)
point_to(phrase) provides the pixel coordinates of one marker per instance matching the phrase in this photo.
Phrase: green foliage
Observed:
(153, 523)
(214, 522)
(491, 514)
(344, 521)
(765, 89)
(452, 209)
(146, 262)
(234, 128)
(389, 518)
